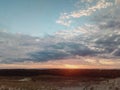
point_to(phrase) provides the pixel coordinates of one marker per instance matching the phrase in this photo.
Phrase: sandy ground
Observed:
(112, 84)
(14, 83)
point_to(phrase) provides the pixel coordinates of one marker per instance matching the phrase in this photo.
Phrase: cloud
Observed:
(96, 44)
(65, 18)
(109, 37)
(117, 2)
(89, 62)
(47, 55)
(83, 42)
(100, 4)
(15, 46)
(87, 1)
(109, 19)
(63, 22)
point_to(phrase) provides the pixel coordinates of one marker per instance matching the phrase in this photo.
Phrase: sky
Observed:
(60, 34)
(30, 17)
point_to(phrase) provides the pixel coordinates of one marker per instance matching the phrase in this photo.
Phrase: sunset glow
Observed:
(68, 66)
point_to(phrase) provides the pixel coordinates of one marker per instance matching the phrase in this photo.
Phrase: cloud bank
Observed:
(88, 45)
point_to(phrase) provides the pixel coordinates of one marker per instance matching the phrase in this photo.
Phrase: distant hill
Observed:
(61, 72)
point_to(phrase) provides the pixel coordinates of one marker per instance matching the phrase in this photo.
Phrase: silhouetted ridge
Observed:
(61, 72)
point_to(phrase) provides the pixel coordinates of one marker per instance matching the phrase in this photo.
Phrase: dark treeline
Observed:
(61, 72)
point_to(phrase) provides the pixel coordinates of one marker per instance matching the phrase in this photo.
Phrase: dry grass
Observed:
(12, 84)
(57, 83)
(47, 82)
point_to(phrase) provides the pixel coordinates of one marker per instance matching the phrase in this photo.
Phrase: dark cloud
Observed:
(61, 51)
(48, 55)
(16, 46)
(108, 18)
(108, 22)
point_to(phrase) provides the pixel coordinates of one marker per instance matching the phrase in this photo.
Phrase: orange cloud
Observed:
(75, 63)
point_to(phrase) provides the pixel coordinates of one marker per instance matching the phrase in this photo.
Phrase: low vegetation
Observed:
(59, 80)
